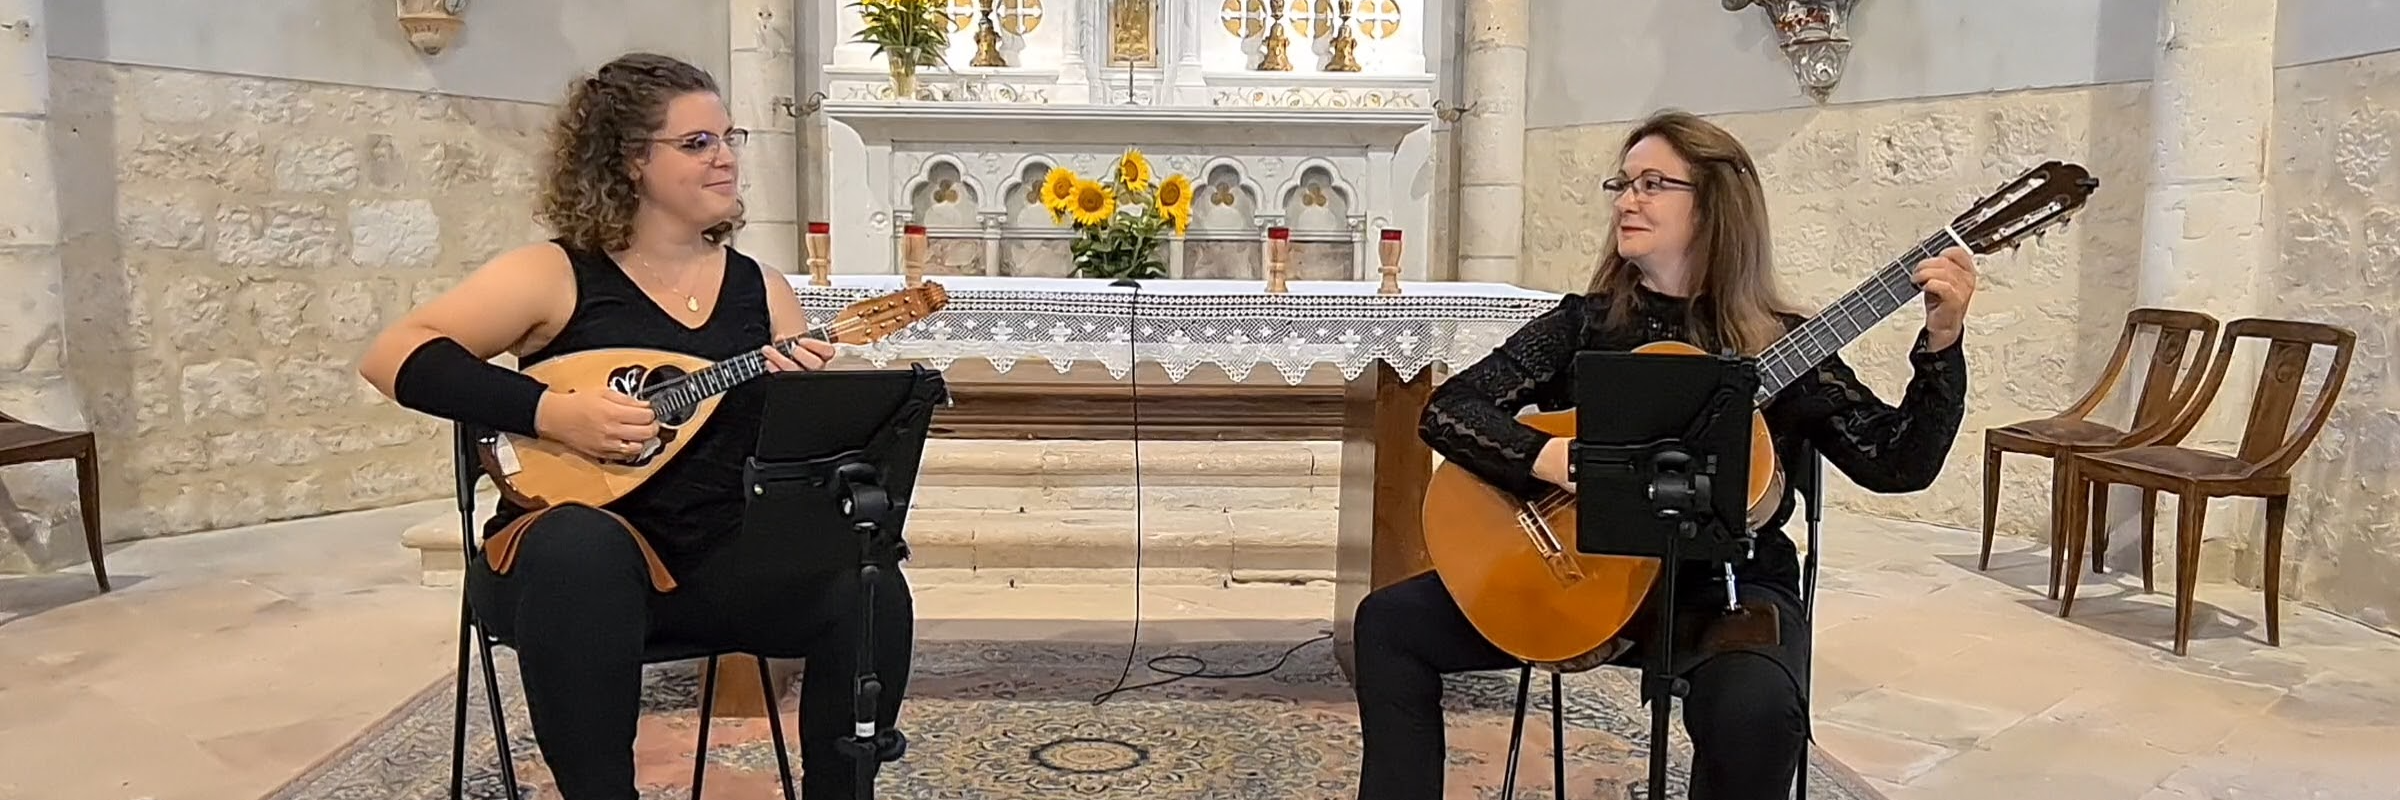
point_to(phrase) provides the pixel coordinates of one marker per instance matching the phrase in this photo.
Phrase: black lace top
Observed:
(1471, 418)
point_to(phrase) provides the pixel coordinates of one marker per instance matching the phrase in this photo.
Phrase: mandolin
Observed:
(683, 391)
(1510, 562)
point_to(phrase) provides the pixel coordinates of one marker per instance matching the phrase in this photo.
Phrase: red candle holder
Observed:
(820, 250)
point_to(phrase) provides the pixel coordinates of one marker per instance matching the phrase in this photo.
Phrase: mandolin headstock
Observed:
(2045, 196)
(876, 317)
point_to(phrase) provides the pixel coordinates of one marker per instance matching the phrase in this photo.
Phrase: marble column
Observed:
(763, 89)
(1491, 142)
(35, 500)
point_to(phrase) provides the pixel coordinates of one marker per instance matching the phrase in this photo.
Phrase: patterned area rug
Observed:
(1007, 720)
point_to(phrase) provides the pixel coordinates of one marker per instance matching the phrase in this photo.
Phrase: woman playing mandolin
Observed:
(1687, 259)
(641, 192)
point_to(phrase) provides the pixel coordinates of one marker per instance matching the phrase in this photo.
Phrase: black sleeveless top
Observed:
(696, 499)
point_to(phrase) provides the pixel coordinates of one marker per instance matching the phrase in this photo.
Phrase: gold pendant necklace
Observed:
(690, 303)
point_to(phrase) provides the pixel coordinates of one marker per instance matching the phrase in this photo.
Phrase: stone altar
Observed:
(1334, 156)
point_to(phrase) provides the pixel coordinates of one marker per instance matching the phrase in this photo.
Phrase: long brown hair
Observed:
(1735, 299)
(588, 193)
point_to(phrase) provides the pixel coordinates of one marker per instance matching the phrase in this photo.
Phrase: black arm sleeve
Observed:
(442, 379)
(1881, 447)
(1472, 419)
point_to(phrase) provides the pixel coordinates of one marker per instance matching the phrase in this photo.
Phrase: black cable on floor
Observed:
(1200, 670)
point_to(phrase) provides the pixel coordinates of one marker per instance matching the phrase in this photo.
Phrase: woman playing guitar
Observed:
(1687, 259)
(642, 193)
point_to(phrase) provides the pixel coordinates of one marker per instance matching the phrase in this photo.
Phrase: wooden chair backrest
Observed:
(2173, 378)
(2269, 443)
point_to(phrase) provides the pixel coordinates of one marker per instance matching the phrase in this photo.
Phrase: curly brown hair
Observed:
(589, 195)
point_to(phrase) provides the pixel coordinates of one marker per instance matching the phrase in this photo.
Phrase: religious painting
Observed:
(1133, 33)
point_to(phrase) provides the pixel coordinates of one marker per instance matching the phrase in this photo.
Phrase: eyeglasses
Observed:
(705, 141)
(1648, 185)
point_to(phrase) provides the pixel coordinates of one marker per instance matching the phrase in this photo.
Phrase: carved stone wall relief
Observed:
(1815, 36)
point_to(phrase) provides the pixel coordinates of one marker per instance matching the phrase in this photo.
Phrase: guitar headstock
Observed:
(2044, 196)
(876, 317)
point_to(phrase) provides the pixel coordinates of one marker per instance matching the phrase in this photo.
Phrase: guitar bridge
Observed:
(1562, 565)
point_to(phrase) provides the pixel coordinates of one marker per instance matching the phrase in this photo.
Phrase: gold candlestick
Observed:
(1345, 45)
(987, 40)
(1389, 248)
(912, 256)
(1274, 58)
(820, 249)
(1279, 255)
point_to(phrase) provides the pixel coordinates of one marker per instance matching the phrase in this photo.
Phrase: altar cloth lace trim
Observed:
(1182, 324)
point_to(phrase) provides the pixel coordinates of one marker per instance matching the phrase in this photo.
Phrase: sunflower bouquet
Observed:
(1119, 221)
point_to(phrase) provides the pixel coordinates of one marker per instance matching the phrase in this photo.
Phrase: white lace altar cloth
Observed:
(1181, 324)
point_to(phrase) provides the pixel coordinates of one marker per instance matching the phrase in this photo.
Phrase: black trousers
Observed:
(1743, 712)
(579, 609)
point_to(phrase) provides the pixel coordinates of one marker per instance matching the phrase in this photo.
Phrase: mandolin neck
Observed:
(717, 378)
(1841, 323)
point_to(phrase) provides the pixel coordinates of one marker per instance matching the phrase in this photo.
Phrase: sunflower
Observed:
(1091, 203)
(1175, 201)
(1133, 172)
(1057, 188)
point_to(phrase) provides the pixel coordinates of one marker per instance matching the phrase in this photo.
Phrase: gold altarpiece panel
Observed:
(1133, 33)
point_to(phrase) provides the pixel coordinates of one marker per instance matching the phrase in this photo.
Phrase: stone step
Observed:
(1072, 463)
(1182, 546)
(1222, 542)
(1155, 497)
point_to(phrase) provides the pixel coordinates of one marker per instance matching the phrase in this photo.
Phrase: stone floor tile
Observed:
(1949, 724)
(2049, 759)
(1882, 757)
(2282, 762)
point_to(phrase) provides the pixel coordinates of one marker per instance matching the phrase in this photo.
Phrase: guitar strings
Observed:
(1556, 501)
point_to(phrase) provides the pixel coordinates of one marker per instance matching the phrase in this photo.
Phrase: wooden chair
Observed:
(2261, 468)
(26, 443)
(2071, 431)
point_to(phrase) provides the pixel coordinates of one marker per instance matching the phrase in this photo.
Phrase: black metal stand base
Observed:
(854, 438)
(1647, 475)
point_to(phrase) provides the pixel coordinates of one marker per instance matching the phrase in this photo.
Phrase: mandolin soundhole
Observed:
(637, 381)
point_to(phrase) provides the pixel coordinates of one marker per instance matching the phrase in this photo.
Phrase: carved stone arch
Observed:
(1213, 213)
(1333, 180)
(1337, 209)
(938, 165)
(1026, 175)
(925, 172)
(1241, 175)
(1018, 198)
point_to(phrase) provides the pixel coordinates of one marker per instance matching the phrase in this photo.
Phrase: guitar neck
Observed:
(1842, 322)
(719, 377)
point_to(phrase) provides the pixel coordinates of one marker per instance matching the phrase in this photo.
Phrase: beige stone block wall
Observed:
(1852, 187)
(231, 243)
(2335, 199)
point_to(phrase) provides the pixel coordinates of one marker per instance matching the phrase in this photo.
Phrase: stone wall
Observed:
(230, 244)
(2335, 189)
(1852, 187)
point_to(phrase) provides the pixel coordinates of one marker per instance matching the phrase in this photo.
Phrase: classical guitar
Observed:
(1511, 563)
(683, 391)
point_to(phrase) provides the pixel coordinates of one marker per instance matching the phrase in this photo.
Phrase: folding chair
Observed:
(1811, 483)
(464, 455)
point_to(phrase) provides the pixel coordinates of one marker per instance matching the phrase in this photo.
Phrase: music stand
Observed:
(841, 448)
(1661, 463)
